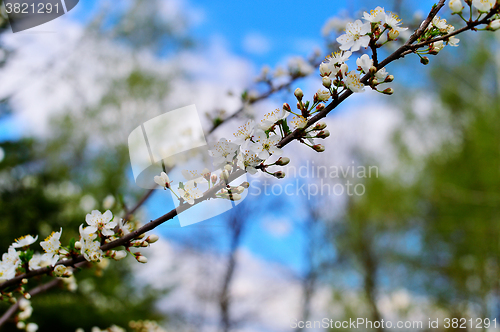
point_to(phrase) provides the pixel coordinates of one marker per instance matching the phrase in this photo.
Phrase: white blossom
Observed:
(90, 248)
(440, 24)
(24, 241)
(244, 132)
(271, 118)
(453, 41)
(162, 180)
(376, 15)
(265, 146)
(484, 5)
(224, 151)
(381, 75)
(393, 21)
(352, 81)
(7, 271)
(51, 247)
(299, 122)
(338, 57)
(248, 160)
(190, 192)
(31, 327)
(355, 36)
(365, 63)
(193, 175)
(99, 221)
(437, 46)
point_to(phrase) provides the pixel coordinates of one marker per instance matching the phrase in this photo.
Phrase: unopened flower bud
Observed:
(206, 174)
(279, 174)
(436, 47)
(388, 91)
(240, 189)
(318, 147)
(327, 82)
(494, 25)
(21, 325)
(424, 60)
(141, 259)
(228, 168)
(78, 245)
(283, 161)
(393, 34)
(320, 107)
(389, 78)
(224, 176)
(24, 281)
(245, 185)
(320, 125)
(119, 255)
(323, 134)
(27, 296)
(286, 107)
(456, 6)
(152, 238)
(13, 300)
(343, 69)
(214, 178)
(298, 94)
(373, 70)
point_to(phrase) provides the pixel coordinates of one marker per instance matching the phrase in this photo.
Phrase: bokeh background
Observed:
(421, 242)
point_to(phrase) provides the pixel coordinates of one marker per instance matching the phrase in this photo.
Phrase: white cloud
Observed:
(277, 227)
(265, 297)
(256, 43)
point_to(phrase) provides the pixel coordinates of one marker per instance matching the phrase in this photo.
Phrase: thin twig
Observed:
(35, 291)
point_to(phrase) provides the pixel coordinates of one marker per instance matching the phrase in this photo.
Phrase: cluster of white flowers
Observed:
(25, 311)
(10, 262)
(439, 27)
(254, 143)
(379, 28)
(100, 229)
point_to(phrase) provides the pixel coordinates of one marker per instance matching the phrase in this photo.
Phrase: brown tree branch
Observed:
(211, 192)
